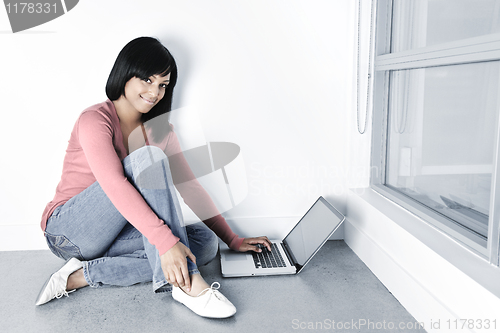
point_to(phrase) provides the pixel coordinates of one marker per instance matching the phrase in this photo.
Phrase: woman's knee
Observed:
(62, 247)
(151, 153)
(143, 159)
(148, 168)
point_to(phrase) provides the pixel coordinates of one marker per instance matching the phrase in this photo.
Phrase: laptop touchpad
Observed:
(235, 256)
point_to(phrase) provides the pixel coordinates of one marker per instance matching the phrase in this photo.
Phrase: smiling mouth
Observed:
(151, 102)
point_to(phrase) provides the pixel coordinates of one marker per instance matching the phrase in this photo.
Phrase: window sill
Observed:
(467, 261)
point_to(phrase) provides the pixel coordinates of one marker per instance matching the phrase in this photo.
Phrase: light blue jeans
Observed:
(89, 227)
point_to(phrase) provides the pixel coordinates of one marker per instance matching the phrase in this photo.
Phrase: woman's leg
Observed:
(149, 171)
(202, 242)
(85, 226)
(124, 263)
(89, 226)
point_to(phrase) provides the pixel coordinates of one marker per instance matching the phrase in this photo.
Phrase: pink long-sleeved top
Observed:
(95, 151)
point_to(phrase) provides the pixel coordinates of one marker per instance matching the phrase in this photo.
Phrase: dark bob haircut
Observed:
(142, 58)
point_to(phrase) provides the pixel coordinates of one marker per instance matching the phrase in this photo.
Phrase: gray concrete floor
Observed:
(336, 287)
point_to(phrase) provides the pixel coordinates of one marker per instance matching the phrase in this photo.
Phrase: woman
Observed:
(115, 215)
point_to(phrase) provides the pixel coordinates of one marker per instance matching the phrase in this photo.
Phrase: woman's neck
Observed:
(129, 117)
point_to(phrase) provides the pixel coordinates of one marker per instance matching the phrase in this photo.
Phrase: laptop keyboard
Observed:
(268, 259)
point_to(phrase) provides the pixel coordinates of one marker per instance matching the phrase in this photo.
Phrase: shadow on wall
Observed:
(181, 53)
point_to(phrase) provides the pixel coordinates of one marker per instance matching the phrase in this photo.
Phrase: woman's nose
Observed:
(154, 90)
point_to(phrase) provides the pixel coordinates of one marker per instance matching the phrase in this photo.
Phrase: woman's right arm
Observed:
(95, 135)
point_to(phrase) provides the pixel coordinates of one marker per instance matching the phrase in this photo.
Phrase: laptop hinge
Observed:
(290, 256)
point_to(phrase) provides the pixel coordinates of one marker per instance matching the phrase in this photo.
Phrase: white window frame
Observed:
(479, 258)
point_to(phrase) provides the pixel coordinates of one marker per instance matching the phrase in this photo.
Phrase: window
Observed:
(436, 103)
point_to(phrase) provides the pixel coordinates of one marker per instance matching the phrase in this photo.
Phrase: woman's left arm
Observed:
(197, 198)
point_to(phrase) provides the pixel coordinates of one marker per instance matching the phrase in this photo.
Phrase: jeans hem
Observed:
(164, 287)
(86, 275)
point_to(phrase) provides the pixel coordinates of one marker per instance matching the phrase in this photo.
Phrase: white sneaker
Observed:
(55, 287)
(209, 303)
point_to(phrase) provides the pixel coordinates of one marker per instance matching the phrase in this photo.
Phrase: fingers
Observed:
(190, 255)
(267, 243)
(186, 283)
(184, 269)
(174, 265)
(257, 240)
(178, 276)
(170, 277)
(253, 248)
(182, 277)
(264, 241)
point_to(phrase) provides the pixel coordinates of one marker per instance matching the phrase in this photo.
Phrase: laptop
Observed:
(290, 255)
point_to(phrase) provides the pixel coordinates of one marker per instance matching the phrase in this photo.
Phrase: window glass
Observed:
(441, 134)
(420, 23)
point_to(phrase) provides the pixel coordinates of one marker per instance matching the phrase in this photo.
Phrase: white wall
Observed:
(272, 76)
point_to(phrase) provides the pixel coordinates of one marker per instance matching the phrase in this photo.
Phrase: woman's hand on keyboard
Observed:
(252, 244)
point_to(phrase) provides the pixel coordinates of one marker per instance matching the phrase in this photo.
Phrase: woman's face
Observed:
(144, 94)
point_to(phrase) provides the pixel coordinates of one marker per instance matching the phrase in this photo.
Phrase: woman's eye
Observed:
(163, 85)
(148, 80)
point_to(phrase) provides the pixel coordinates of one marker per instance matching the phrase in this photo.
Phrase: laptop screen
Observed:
(312, 231)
